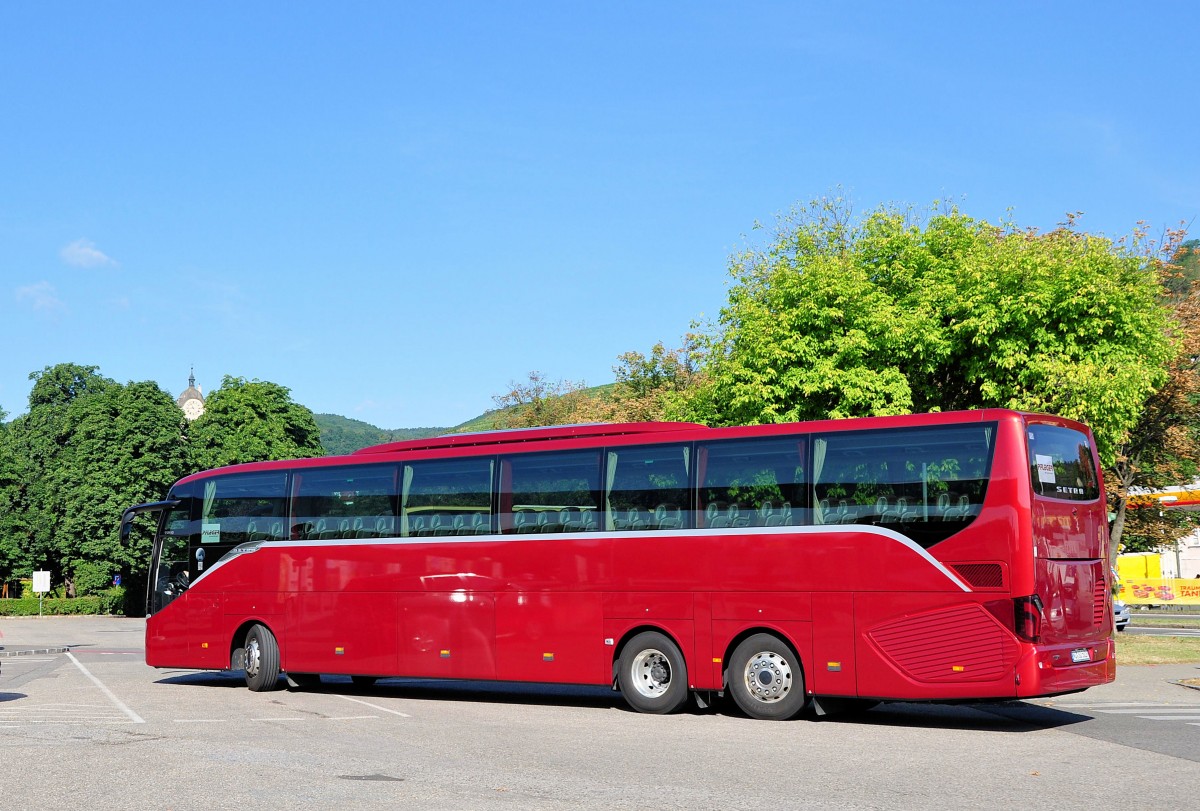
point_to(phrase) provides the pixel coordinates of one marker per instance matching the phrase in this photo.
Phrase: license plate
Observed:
(1081, 655)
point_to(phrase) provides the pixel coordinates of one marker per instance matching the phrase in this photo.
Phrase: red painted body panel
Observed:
(855, 602)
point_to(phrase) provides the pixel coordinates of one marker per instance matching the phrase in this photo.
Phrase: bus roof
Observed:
(589, 435)
(517, 435)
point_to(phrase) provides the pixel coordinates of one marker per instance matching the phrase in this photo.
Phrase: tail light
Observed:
(1027, 617)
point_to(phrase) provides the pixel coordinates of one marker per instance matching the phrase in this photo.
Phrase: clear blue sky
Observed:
(396, 210)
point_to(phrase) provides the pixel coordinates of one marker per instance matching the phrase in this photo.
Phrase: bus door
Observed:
(1070, 606)
(170, 576)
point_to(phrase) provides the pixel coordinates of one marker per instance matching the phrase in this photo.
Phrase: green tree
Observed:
(1164, 446)
(893, 315)
(86, 449)
(540, 401)
(10, 551)
(1184, 268)
(39, 442)
(126, 446)
(252, 421)
(654, 386)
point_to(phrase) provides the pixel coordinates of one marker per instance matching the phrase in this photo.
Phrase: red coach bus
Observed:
(937, 557)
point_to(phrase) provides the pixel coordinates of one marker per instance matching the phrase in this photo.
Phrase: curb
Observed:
(8, 654)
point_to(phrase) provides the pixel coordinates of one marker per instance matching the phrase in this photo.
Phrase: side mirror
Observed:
(132, 512)
(126, 525)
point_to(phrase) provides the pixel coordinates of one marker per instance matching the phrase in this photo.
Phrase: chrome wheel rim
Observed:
(253, 656)
(651, 671)
(768, 677)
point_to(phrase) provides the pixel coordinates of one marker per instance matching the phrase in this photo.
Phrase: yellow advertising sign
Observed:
(1159, 591)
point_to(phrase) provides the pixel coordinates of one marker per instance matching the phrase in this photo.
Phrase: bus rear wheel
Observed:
(652, 674)
(262, 659)
(766, 679)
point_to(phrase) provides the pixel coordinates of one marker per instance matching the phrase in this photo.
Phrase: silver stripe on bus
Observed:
(840, 529)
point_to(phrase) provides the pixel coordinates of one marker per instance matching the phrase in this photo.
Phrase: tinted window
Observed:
(215, 515)
(755, 482)
(173, 557)
(551, 492)
(344, 502)
(243, 507)
(647, 488)
(1060, 463)
(926, 483)
(447, 497)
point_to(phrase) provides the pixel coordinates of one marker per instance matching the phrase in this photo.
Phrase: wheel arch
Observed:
(238, 639)
(642, 628)
(746, 633)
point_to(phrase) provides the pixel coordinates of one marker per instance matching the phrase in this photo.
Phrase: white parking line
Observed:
(120, 705)
(1189, 717)
(279, 719)
(1104, 707)
(1151, 708)
(375, 706)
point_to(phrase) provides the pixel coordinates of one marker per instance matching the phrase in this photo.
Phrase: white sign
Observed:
(41, 582)
(1045, 468)
(210, 533)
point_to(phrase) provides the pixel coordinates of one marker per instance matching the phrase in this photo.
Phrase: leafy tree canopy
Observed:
(252, 421)
(892, 315)
(87, 448)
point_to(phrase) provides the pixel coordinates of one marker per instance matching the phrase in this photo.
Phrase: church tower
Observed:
(191, 401)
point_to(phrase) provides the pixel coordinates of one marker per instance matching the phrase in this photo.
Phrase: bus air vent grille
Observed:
(980, 575)
(1099, 612)
(964, 643)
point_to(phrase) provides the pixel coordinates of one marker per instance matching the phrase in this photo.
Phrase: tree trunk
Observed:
(1118, 527)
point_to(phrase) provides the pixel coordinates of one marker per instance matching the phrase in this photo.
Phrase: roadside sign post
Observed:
(41, 585)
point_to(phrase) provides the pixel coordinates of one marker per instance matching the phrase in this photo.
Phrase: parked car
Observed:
(1120, 614)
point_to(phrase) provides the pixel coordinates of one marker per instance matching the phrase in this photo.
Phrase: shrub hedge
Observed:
(109, 601)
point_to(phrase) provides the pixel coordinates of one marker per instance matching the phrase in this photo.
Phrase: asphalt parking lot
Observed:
(93, 726)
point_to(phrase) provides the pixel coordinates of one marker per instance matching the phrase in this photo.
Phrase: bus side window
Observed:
(753, 483)
(442, 497)
(550, 492)
(927, 483)
(647, 488)
(342, 502)
(242, 507)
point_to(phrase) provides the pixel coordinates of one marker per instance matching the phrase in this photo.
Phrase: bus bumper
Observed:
(1047, 670)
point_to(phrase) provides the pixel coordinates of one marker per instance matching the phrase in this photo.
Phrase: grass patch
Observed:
(1157, 650)
(1165, 622)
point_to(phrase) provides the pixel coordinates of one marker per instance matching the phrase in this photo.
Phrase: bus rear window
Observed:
(1060, 463)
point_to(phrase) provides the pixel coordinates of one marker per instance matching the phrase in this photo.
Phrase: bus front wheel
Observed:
(766, 679)
(652, 674)
(262, 659)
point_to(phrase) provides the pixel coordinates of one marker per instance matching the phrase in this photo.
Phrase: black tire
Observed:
(303, 681)
(652, 674)
(765, 678)
(262, 659)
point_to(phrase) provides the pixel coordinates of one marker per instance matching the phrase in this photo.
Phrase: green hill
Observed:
(340, 435)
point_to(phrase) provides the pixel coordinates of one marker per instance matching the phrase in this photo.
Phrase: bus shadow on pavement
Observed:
(556, 695)
(1015, 716)
(12, 696)
(426, 689)
(207, 678)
